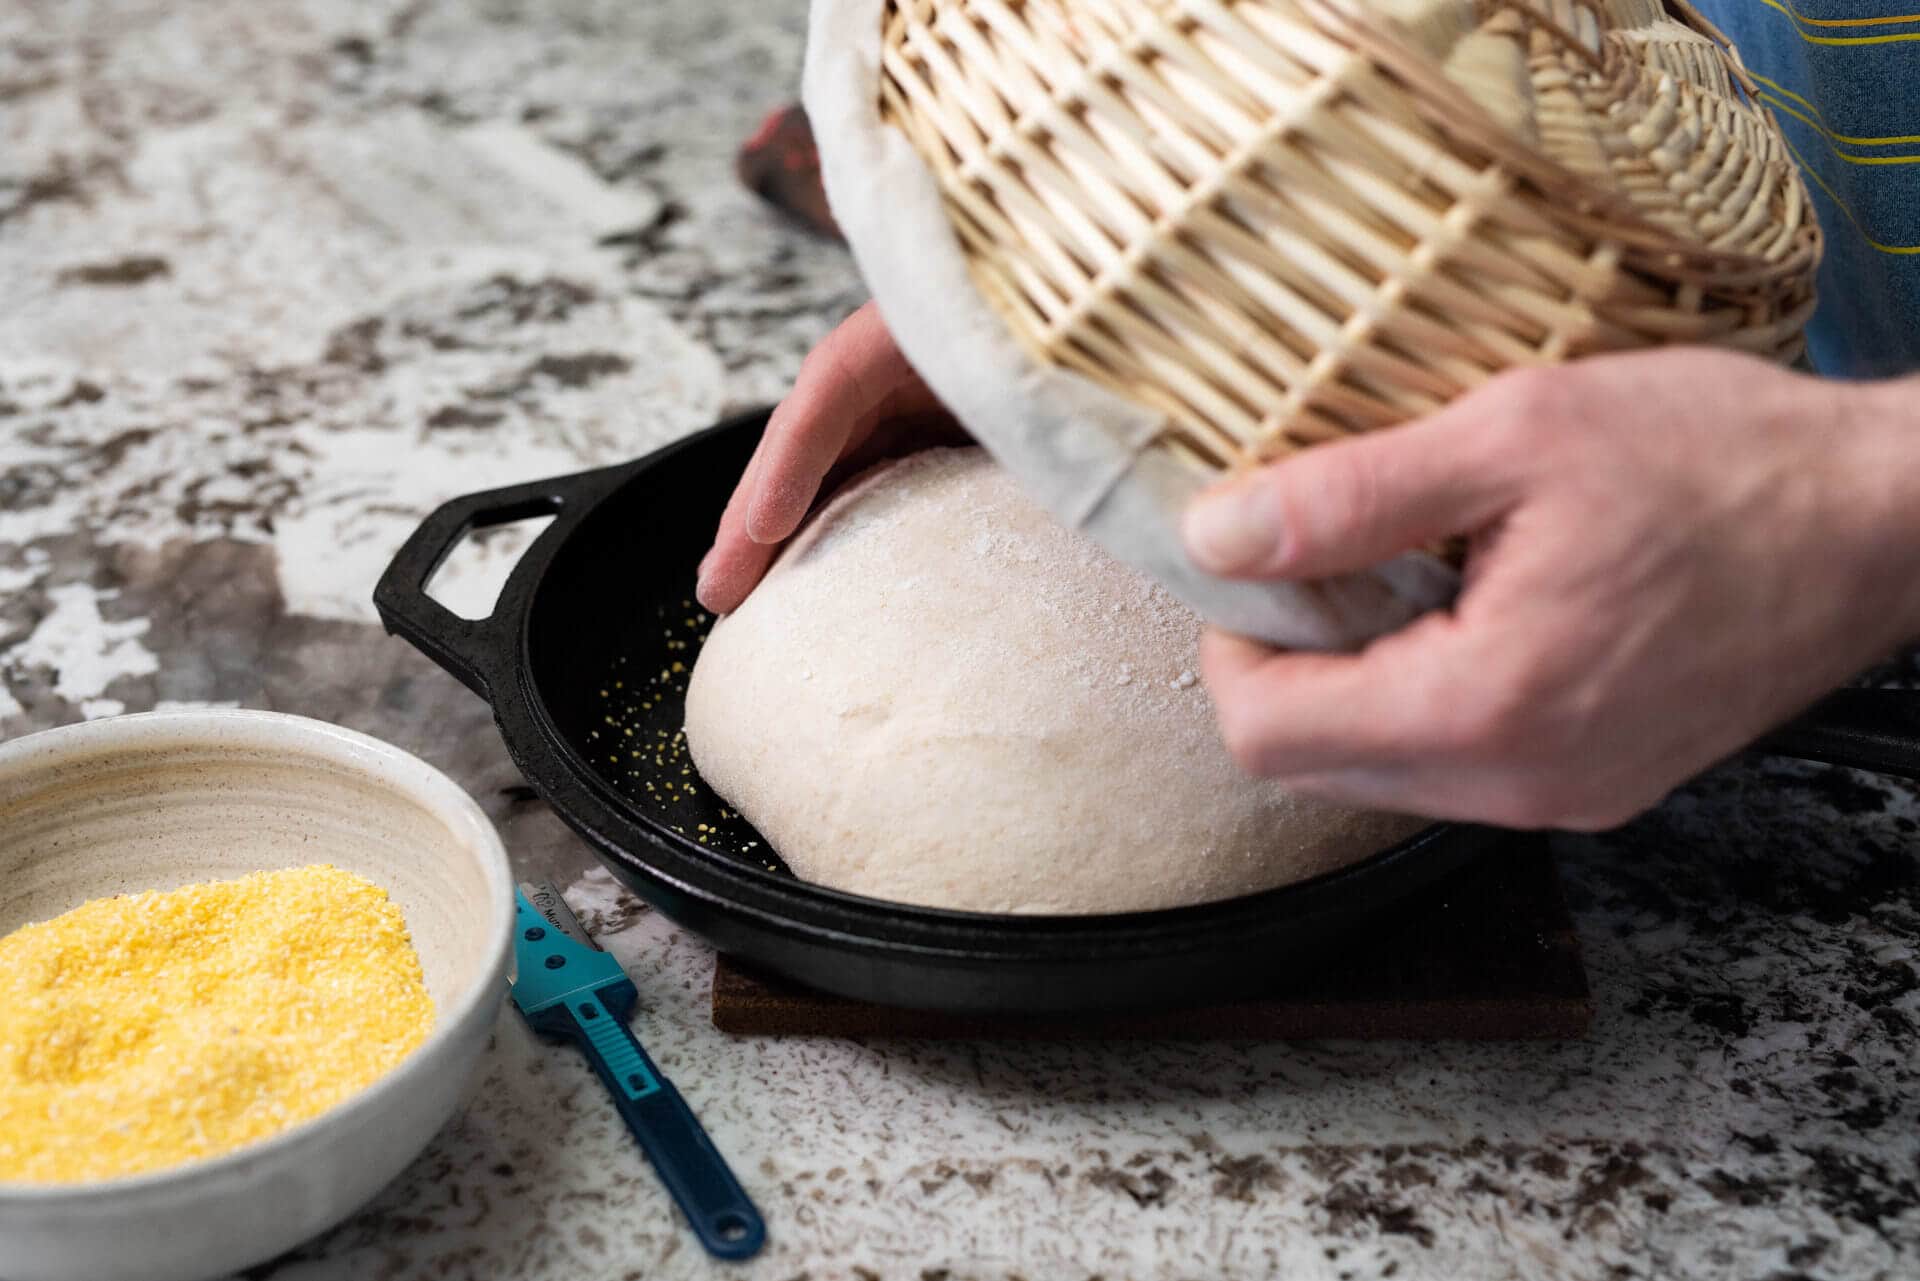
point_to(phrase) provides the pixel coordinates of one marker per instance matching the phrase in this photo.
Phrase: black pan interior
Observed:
(613, 675)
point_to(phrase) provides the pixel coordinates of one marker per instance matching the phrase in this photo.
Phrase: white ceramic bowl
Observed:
(163, 800)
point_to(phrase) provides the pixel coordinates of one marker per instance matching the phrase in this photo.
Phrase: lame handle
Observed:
(695, 1173)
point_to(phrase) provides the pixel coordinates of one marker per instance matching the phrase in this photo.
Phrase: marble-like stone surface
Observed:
(278, 278)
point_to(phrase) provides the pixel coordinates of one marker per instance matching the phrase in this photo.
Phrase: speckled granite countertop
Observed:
(278, 278)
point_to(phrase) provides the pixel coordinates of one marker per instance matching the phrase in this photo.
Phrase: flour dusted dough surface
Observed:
(940, 696)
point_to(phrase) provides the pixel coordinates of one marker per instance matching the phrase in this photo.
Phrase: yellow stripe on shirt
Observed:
(1844, 207)
(1859, 22)
(1797, 21)
(1819, 121)
(1850, 157)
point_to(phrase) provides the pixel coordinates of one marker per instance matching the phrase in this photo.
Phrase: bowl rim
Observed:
(407, 774)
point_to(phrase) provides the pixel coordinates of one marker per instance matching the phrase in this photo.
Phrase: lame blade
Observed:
(547, 901)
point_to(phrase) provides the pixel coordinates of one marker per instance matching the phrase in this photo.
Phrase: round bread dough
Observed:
(941, 696)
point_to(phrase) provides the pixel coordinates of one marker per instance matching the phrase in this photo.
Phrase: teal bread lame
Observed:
(568, 988)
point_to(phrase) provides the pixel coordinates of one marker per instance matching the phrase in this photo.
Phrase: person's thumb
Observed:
(1347, 505)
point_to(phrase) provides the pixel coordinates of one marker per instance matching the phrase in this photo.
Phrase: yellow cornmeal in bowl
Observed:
(146, 1030)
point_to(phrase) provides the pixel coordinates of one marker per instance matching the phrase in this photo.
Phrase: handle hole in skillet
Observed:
(730, 1228)
(469, 580)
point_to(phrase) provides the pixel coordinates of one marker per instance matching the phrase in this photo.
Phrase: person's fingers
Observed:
(845, 385)
(1424, 721)
(728, 576)
(1388, 788)
(1427, 790)
(1506, 795)
(1288, 714)
(1345, 506)
(853, 382)
(735, 562)
(806, 434)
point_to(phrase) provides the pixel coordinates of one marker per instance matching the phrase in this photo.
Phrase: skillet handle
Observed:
(1870, 729)
(479, 651)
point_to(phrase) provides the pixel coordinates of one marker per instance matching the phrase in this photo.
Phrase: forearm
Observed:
(1881, 423)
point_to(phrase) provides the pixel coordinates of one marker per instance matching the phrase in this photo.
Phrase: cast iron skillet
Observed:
(580, 650)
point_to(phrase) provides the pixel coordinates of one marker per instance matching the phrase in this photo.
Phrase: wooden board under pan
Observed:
(1488, 954)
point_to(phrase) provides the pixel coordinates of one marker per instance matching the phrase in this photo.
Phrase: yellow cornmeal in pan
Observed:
(145, 1030)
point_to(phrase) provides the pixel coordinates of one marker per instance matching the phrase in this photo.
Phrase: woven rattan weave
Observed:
(1275, 222)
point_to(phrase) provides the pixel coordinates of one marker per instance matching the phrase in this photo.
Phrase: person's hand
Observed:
(855, 402)
(1671, 553)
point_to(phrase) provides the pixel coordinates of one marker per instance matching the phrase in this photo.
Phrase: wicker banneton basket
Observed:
(1224, 230)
